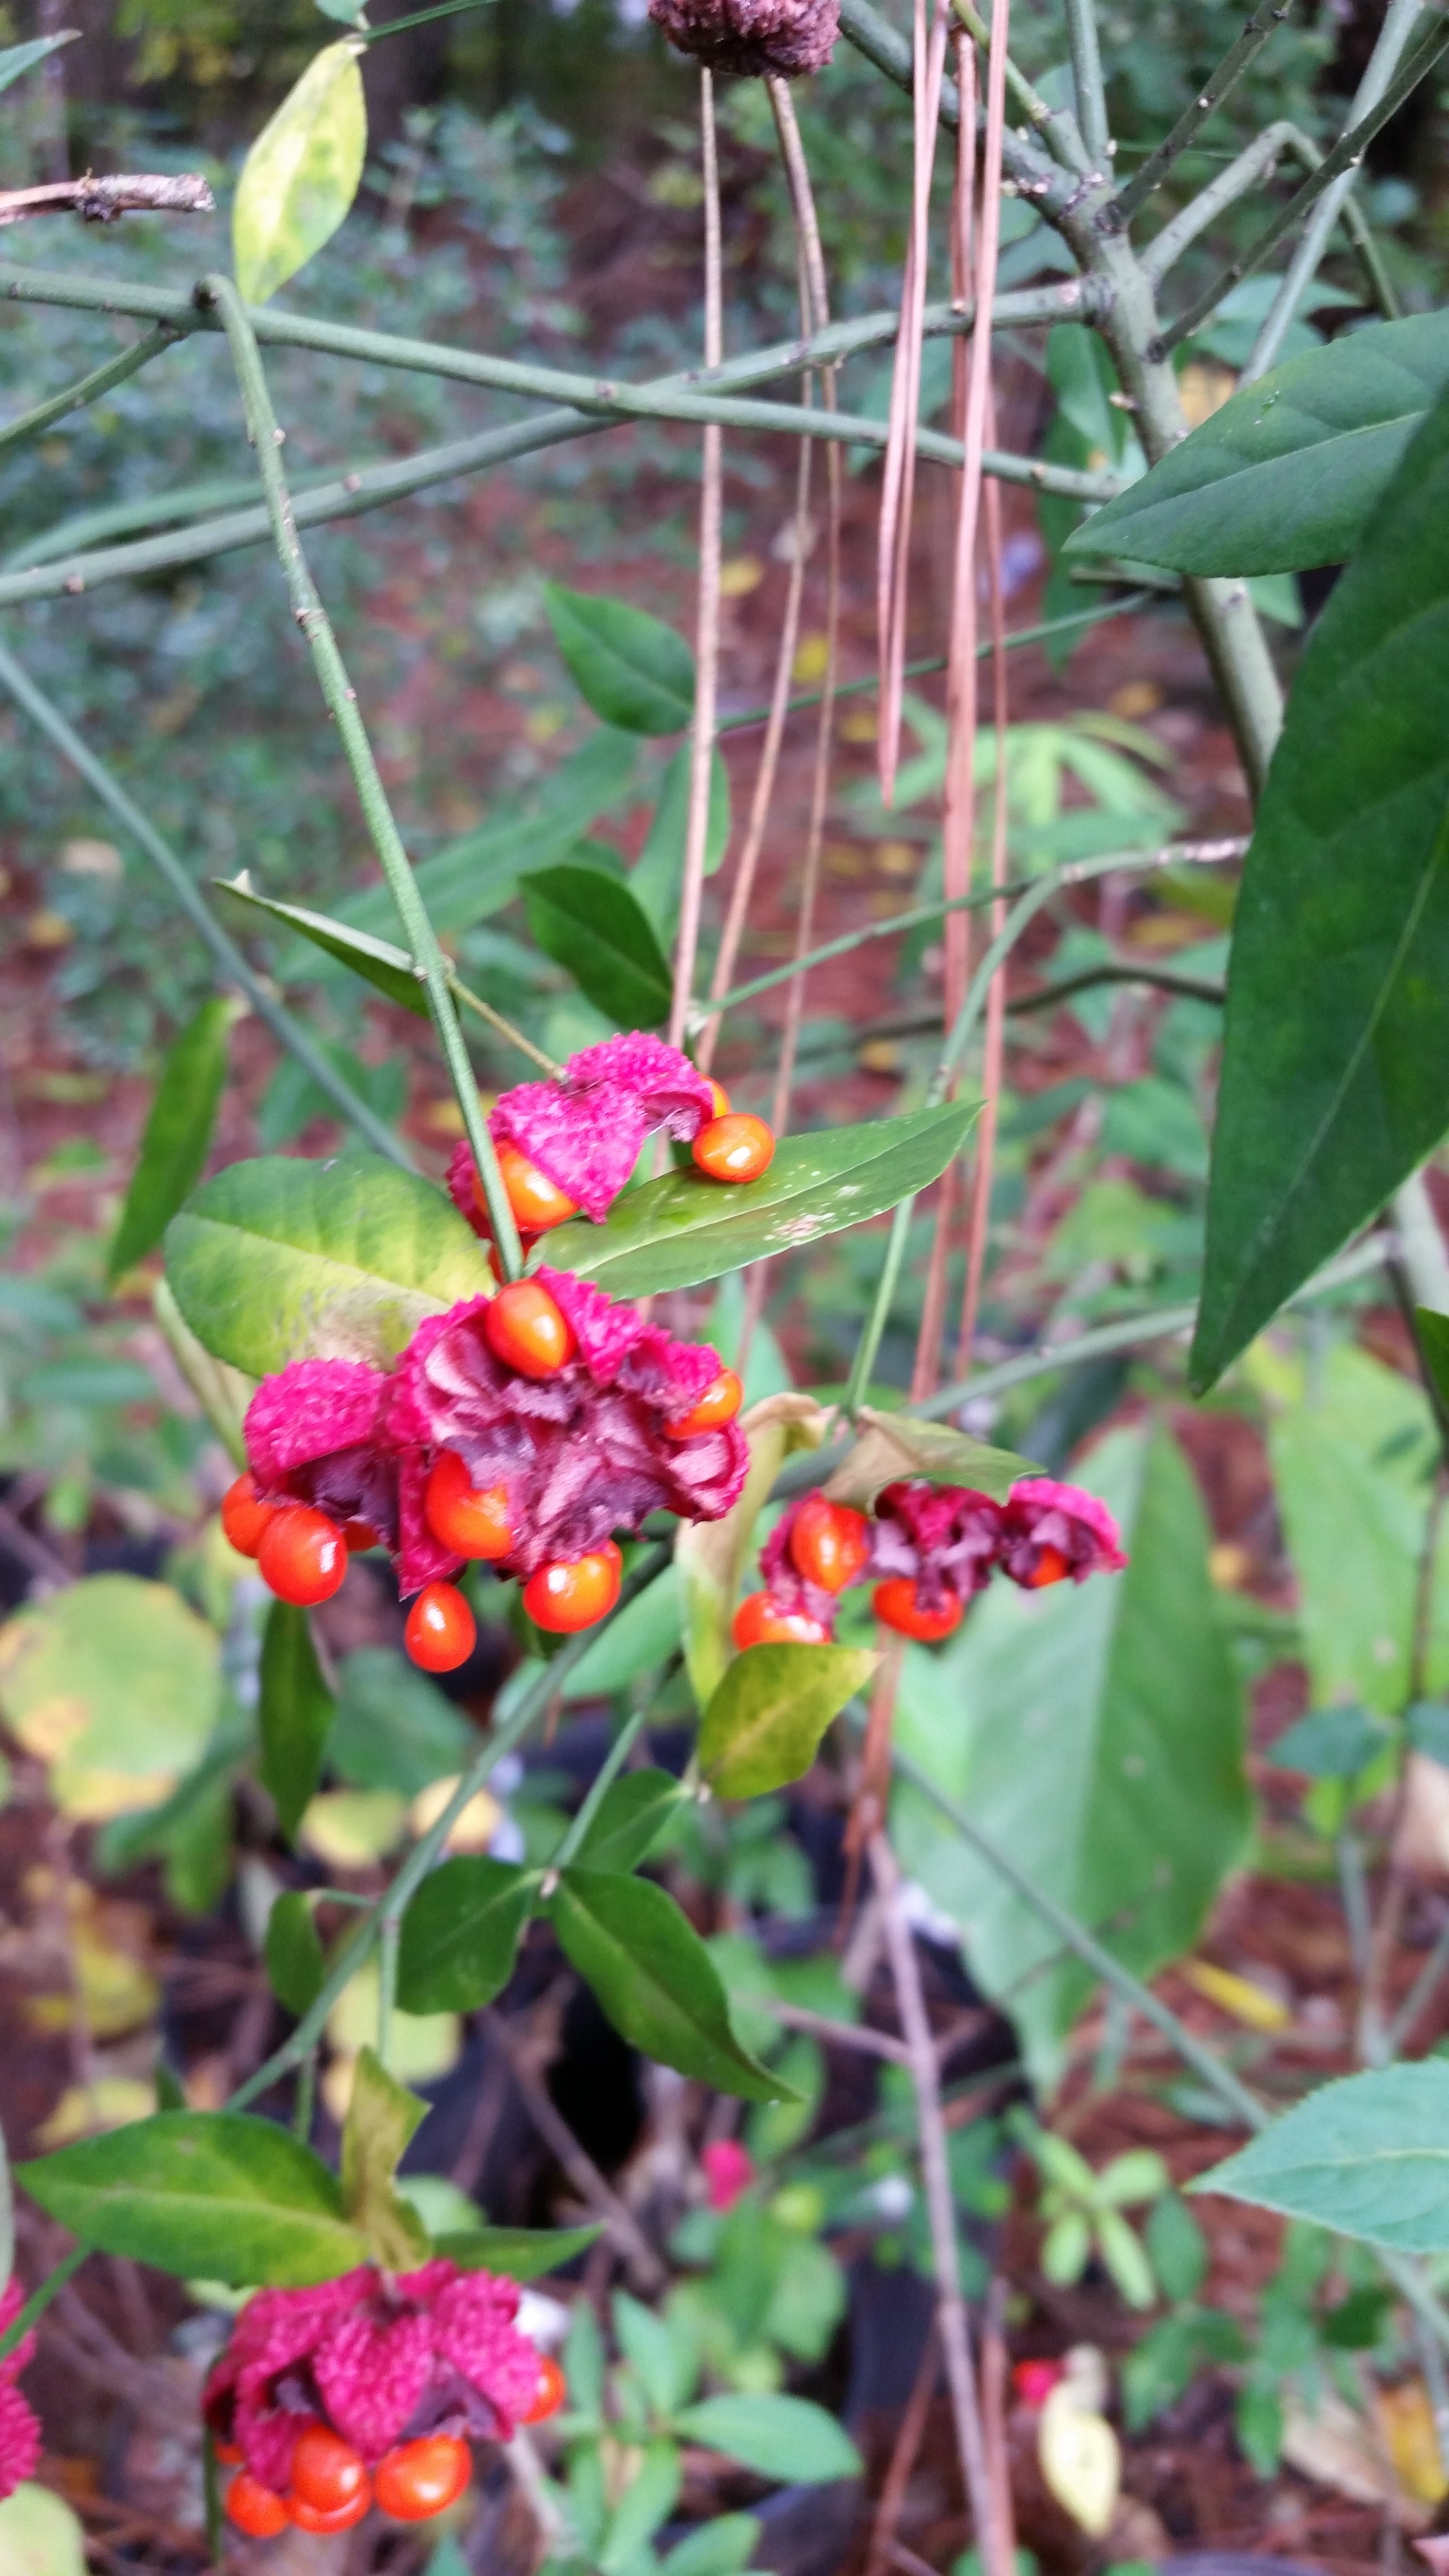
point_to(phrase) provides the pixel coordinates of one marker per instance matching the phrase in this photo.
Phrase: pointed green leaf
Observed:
(655, 1978)
(648, 2500)
(894, 1446)
(1331, 1743)
(763, 1725)
(523, 2253)
(722, 2547)
(1285, 475)
(294, 1713)
(215, 2195)
(629, 1819)
(632, 668)
(296, 1965)
(777, 2437)
(460, 1934)
(379, 962)
(301, 174)
(381, 2120)
(177, 1137)
(596, 928)
(1335, 1081)
(1367, 2157)
(685, 1228)
(1096, 1732)
(17, 59)
(281, 1259)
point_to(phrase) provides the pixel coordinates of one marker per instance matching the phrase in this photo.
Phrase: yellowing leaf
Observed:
(112, 2102)
(1080, 2460)
(472, 1831)
(1406, 2421)
(1247, 2002)
(114, 1683)
(301, 174)
(350, 1828)
(39, 2535)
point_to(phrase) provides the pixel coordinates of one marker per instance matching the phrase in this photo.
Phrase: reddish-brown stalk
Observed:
(993, 1049)
(707, 623)
(898, 478)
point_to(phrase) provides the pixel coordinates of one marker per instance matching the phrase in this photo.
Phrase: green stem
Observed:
(420, 18)
(388, 1934)
(87, 389)
(1341, 162)
(226, 956)
(1087, 81)
(884, 1298)
(1056, 125)
(305, 2099)
(1121, 607)
(504, 1028)
(341, 698)
(39, 2300)
(1268, 15)
(603, 1780)
(535, 1700)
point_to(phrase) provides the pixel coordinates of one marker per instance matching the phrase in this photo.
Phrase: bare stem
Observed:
(952, 2322)
(1268, 15)
(99, 201)
(706, 655)
(341, 698)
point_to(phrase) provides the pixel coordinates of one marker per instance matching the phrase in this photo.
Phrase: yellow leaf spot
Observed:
(1246, 2001)
(112, 2102)
(473, 1831)
(811, 656)
(1080, 2460)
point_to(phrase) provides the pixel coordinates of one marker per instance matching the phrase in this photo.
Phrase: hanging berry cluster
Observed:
(530, 1429)
(928, 1549)
(369, 2390)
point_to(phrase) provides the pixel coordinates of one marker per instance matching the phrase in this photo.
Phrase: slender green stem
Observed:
(535, 1700)
(87, 389)
(1056, 125)
(914, 919)
(87, 528)
(1252, 165)
(1344, 159)
(40, 2299)
(505, 1029)
(1094, 616)
(341, 698)
(1430, 1975)
(1268, 15)
(388, 1932)
(884, 1298)
(227, 957)
(420, 18)
(304, 2101)
(608, 1771)
(1163, 979)
(1087, 81)
(1400, 19)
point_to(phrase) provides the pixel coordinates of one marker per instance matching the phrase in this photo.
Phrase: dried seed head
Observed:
(752, 36)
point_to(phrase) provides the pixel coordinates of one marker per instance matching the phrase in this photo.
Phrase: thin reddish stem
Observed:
(898, 480)
(707, 625)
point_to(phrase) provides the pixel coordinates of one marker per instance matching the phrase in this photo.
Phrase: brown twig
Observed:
(837, 2034)
(993, 1052)
(903, 2456)
(577, 2163)
(952, 2321)
(706, 679)
(100, 201)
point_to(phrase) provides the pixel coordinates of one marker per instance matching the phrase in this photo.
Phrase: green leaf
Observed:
(393, 1728)
(1433, 1333)
(1285, 475)
(644, 1634)
(1427, 1724)
(665, 2359)
(1176, 2247)
(763, 1726)
(655, 1978)
(1331, 1743)
(648, 2500)
(658, 873)
(177, 1138)
(1335, 1083)
(294, 1713)
(295, 1961)
(633, 670)
(18, 59)
(460, 1934)
(348, 13)
(1121, 1695)
(1121, 2251)
(301, 174)
(388, 968)
(479, 873)
(523, 2253)
(382, 2118)
(1065, 2249)
(894, 1446)
(1367, 2157)
(110, 1680)
(629, 1819)
(777, 2437)
(596, 928)
(213, 2195)
(685, 1228)
(723, 2547)
(280, 1259)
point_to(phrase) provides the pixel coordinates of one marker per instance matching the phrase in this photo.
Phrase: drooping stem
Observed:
(341, 697)
(230, 964)
(953, 2324)
(706, 653)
